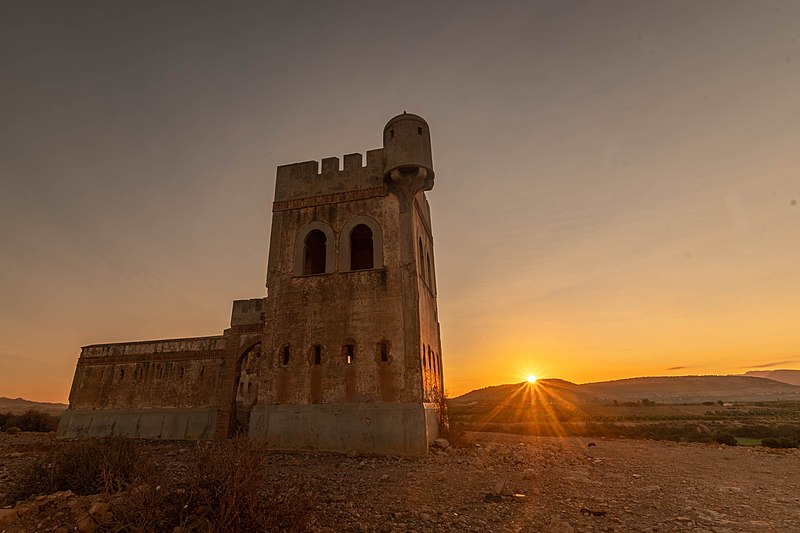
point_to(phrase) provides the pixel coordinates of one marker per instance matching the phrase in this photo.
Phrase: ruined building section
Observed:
(344, 354)
(351, 339)
(170, 389)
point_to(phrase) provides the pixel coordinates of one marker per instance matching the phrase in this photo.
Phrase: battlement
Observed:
(246, 312)
(314, 178)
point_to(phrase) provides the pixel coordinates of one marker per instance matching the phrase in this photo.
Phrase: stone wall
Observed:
(172, 389)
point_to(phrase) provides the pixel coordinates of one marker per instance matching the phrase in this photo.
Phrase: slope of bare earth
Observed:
(785, 375)
(562, 485)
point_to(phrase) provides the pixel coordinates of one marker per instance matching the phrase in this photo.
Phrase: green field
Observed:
(743, 424)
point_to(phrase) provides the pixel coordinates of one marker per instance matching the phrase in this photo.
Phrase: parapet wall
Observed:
(133, 351)
(301, 180)
(247, 316)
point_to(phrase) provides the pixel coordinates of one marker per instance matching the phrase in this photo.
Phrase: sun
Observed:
(532, 378)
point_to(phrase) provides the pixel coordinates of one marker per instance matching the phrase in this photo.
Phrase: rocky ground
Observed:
(496, 482)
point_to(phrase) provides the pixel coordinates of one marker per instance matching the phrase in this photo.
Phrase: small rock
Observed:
(15, 455)
(499, 486)
(591, 445)
(528, 473)
(7, 517)
(85, 524)
(441, 443)
(25, 510)
(519, 497)
(352, 454)
(637, 476)
(558, 526)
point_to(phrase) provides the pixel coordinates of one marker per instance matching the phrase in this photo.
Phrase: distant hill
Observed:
(20, 405)
(785, 375)
(565, 390)
(680, 389)
(667, 389)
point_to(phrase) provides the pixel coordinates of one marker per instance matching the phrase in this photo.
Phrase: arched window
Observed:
(314, 254)
(421, 259)
(361, 244)
(349, 352)
(316, 355)
(285, 353)
(430, 274)
(383, 349)
(361, 257)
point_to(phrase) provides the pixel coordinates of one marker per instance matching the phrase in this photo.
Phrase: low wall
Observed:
(380, 428)
(177, 424)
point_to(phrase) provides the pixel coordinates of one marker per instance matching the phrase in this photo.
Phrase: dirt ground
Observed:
(497, 483)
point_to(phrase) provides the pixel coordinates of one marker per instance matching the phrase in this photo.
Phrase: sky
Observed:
(617, 182)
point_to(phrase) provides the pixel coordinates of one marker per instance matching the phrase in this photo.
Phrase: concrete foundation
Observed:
(379, 428)
(177, 424)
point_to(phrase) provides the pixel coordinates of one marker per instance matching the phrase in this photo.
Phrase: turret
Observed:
(407, 147)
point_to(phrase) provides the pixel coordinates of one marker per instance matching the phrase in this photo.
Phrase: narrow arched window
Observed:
(421, 260)
(349, 350)
(285, 352)
(430, 275)
(314, 253)
(317, 355)
(361, 257)
(384, 351)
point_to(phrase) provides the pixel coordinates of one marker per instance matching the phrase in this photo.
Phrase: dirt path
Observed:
(562, 485)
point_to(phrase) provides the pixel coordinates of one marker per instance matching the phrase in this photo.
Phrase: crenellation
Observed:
(313, 178)
(375, 160)
(330, 166)
(352, 161)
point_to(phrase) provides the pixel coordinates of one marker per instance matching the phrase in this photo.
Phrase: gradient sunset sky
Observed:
(617, 183)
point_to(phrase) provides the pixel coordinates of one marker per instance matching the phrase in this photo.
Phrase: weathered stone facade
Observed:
(344, 354)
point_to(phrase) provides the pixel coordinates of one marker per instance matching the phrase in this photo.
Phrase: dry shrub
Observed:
(230, 481)
(85, 467)
(225, 489)
(221, 487)
(30, 420)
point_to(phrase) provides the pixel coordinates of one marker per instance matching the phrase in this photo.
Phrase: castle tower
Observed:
(351, 344)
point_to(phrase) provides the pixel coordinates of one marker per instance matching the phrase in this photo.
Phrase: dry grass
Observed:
(218, 487)
(85, 467)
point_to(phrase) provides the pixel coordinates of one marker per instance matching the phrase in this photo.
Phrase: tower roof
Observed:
(403, 116)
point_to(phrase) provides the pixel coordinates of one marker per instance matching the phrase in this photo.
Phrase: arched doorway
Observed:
(246, 392)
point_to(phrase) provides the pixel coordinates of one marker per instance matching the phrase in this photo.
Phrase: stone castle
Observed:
(343, 354)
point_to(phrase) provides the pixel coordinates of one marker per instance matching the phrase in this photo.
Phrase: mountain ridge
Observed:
(663, 389)
(19, 405)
